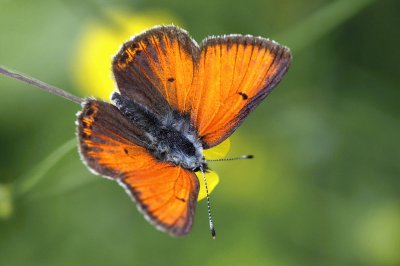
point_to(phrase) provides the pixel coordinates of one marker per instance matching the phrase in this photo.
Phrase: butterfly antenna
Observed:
(232, 159)
(212, 229)
(39, 84)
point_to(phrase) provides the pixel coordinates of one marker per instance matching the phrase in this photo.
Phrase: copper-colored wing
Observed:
(158, 68)
(235, 73)
(166, 194)
(111, 146)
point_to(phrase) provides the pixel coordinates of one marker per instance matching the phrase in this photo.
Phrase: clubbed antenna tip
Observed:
(213, 234)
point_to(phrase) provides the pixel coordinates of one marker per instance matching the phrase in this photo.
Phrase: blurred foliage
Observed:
(323, 188)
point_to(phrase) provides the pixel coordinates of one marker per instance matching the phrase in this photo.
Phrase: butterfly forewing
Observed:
(158, 68)
(235, 73)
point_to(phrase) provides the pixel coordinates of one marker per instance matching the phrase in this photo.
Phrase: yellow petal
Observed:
(219, 151)
(100, 41)
(212, 181)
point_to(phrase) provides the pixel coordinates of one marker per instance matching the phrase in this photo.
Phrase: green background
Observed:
(323, 189)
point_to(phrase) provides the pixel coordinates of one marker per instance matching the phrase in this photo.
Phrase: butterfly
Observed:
(175, 99)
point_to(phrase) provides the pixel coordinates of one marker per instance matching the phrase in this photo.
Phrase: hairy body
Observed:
(169, 138)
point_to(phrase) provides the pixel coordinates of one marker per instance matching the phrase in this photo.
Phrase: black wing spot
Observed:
(171, 79)
(181, 199)
(244, 95)
(89, 112)
(133, 45)
(123, 57)
(85, 135)
(126, 151)
(85, 124)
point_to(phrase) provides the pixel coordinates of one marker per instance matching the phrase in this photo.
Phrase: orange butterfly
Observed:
(174, 100)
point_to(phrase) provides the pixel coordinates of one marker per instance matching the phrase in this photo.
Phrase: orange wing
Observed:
(110, 145)
(235, 73)
(158, 68)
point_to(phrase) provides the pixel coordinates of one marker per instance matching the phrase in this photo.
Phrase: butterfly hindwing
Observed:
(235, 73)
(111, 146)
(166, 194)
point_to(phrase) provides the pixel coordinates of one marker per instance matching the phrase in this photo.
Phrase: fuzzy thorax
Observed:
(169, 137)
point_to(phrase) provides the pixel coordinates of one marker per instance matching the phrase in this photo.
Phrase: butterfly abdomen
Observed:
(169, 138)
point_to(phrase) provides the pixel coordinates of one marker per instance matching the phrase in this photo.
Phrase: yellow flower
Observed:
(92, 65)
(217, 152)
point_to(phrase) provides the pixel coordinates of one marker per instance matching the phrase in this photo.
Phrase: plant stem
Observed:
(320, 23)
(38, 173)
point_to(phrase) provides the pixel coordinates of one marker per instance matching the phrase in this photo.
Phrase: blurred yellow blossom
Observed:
(6, 206)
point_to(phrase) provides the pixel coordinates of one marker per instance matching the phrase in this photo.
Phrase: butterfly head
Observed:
(180, 150)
